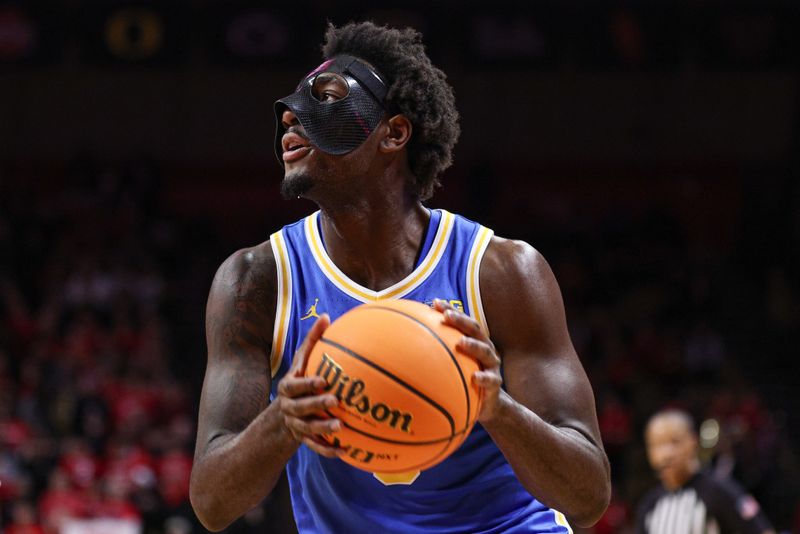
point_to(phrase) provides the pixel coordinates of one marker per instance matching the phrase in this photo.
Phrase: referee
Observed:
(691, 501)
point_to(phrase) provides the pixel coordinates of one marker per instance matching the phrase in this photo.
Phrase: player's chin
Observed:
(296, 183)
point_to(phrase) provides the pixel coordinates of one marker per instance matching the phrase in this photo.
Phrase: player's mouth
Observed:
(295, 147)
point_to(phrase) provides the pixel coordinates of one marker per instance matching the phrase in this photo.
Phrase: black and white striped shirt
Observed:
(704, 505)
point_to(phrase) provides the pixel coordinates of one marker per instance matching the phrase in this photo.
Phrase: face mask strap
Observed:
(368, 79)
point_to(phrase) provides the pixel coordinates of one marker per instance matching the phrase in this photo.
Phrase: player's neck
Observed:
(375, 240)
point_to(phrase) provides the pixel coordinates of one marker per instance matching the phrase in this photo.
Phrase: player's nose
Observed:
(288, 118)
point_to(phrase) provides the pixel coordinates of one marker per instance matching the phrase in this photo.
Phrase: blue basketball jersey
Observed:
(475, 489)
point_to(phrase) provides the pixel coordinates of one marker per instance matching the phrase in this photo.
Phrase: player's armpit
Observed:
(548, 429)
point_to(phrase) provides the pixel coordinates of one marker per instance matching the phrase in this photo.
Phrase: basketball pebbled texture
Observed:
(406, 395)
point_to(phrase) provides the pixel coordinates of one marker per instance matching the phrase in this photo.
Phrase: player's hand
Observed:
(477, 344)
(300, 398)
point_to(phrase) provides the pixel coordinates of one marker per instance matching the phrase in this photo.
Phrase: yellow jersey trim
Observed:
(561, 520)
(284, 306)
(398, 290)
(473, 276)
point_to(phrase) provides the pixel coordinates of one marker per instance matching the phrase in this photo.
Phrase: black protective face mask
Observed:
(340, 126)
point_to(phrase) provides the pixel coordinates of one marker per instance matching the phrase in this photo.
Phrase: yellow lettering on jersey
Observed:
(391, 479)
(457, 304)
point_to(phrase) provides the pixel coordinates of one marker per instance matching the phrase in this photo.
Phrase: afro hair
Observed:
(417, 89)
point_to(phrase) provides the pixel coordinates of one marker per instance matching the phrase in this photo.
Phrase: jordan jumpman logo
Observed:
(312, 311)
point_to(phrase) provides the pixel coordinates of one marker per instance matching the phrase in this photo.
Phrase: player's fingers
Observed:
(310, 427)
(480, 350)
(292, 386)
(456, 317)
(301, 356)
(306, 406)
(322, 448)
(323, 426)
(442, 305)
(464, 323)
(487, 380)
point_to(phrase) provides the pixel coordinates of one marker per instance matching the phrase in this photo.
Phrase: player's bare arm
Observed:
(243, 442)
(545, 421)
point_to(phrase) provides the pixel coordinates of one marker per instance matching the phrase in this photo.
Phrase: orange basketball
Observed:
(406, 395)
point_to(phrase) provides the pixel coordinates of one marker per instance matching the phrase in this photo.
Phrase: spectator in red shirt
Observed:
(111, 501)
(80, 464)
(60, 502)
(24, 520)
(174, 469)
(131, 466)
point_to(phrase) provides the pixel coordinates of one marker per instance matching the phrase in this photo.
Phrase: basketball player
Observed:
(366, 135)
(689, 500)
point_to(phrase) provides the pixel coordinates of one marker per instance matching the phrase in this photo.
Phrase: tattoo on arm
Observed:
(239, 323)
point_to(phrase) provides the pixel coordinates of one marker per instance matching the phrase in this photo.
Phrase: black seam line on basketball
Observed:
(396, 379)
(394, 441)
(449, 352)
(431, 461)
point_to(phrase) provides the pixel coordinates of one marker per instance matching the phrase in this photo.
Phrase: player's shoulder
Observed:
(513, 260)
(248, 266)
(242, 303)
(516, 282)
(508, 260)
(248, 259)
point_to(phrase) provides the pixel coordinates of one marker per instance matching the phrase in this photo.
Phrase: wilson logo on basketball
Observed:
(351, 391)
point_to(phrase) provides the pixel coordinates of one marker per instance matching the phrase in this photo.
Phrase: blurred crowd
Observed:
(102, 288)
(684, 296)
(96, 430)
(658, 326)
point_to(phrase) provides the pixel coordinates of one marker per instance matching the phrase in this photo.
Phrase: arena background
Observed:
(648, 149)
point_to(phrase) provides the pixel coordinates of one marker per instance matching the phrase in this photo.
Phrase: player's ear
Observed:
(398, 134)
